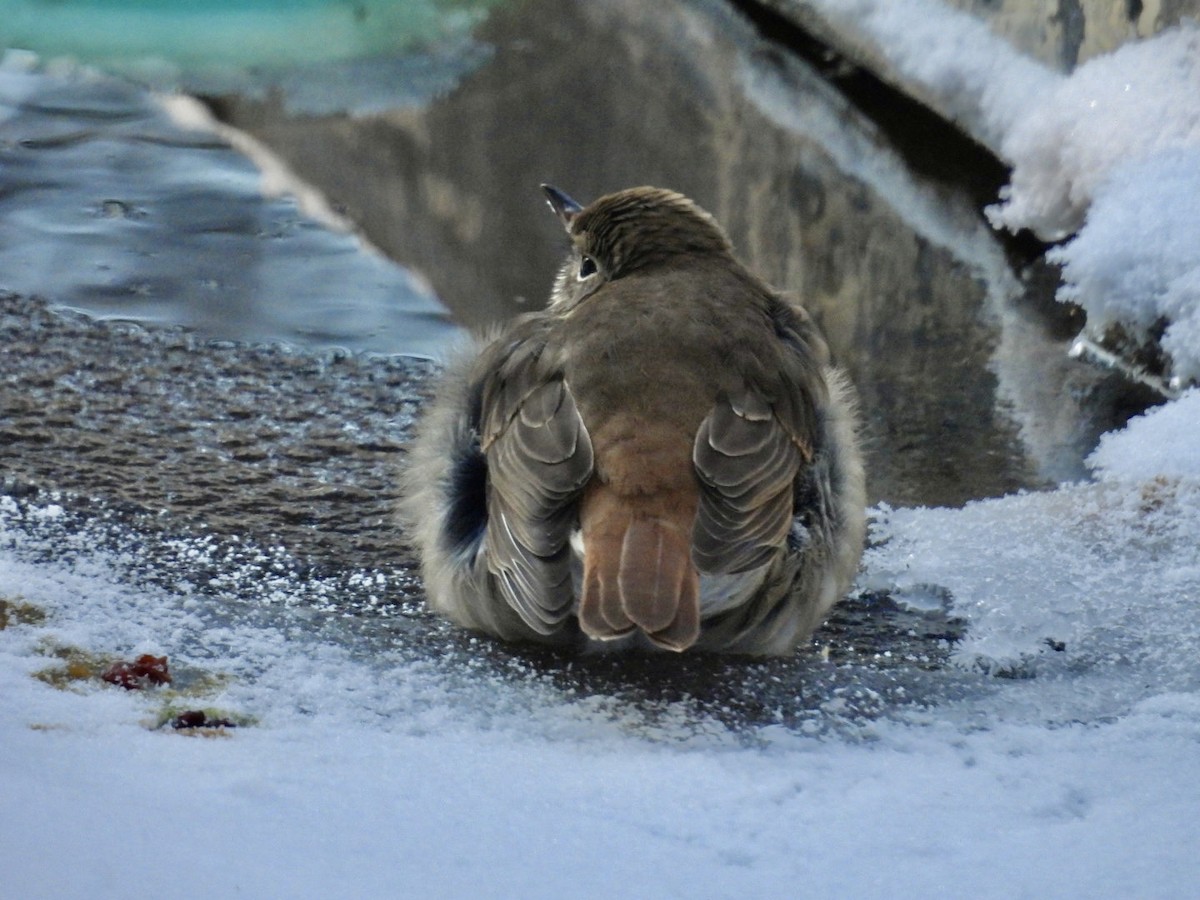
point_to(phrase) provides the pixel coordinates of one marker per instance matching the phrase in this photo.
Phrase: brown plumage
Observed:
(663, 454)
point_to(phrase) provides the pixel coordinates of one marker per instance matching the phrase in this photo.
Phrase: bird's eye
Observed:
(587, 268)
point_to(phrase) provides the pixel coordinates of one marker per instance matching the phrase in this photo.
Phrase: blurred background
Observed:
(364, 175)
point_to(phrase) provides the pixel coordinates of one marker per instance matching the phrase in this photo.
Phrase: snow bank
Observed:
(1137, 259)
(1071, 762)
(1074, 579)
(1114, 153)
(1139, 103)
(1111, 152)
(948, 56)
(1162, 444)
(1101, 578)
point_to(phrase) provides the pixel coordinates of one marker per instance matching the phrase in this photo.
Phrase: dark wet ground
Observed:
(295, 447)
(263, 478)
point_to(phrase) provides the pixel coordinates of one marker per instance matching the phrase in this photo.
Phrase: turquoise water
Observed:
(108, 206)
(169, 35)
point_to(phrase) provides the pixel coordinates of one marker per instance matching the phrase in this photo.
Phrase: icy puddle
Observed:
(111, 206)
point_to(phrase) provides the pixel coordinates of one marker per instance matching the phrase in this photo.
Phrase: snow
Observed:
(1119, 558)
(1138, 103)
(1163, 443)
(1137, 259)
(1109, 154)
(1114, 155)
(1096, 552)
(1075, 768)
(980, 82)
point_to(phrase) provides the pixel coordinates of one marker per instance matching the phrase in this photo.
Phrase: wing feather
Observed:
(746, 468)
(752, 448)
(539, 458)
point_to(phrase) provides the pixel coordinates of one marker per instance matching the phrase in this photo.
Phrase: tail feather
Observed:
(684, 629)
(638, 573)
(600, 612)
(655, 562)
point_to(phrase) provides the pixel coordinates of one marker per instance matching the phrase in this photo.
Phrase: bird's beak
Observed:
(564, 207)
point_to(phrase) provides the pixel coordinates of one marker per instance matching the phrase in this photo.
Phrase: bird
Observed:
(664, 457)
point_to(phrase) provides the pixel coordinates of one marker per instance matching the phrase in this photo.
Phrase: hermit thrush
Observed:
(663, 454)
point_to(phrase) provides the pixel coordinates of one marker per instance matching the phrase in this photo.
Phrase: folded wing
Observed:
(751, 449)
(539, 457)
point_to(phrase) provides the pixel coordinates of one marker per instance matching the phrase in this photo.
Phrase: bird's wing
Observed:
(752, 448)
(539, 457)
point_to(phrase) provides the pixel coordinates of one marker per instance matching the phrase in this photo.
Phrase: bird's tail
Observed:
(637, 569)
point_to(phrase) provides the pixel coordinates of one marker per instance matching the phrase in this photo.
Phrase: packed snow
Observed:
(1108, 155)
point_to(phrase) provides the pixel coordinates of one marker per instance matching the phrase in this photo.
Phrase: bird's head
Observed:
(626, 232)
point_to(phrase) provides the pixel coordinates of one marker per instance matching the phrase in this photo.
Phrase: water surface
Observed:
(109, 206)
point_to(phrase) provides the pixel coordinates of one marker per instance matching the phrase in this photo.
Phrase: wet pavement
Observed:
(261, 480)
(292, 447)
